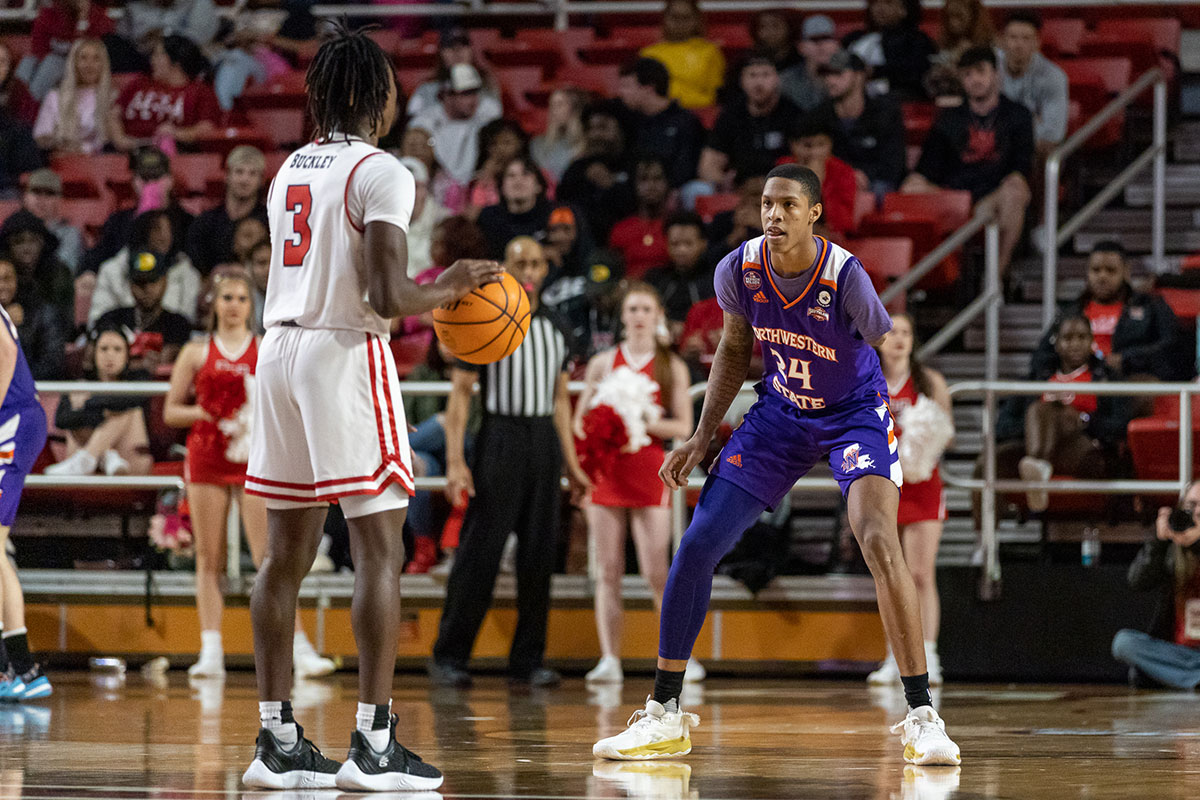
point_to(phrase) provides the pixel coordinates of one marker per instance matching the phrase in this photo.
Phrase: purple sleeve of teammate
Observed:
(725, 283)
(862, 304)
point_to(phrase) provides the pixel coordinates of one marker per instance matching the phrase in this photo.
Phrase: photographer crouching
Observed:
(1170, 654)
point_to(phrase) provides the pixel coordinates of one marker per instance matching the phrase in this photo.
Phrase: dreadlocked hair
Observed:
(347, 82)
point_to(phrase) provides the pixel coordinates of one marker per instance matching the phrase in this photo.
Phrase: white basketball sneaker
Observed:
(608, 670)
(923, 734)
(653, 732)
(888, 673)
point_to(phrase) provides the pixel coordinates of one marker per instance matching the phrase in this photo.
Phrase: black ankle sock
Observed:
(17, 646)
(916, 690)
(285, 712)
(383, 717)
(667, 686)
(3, 655)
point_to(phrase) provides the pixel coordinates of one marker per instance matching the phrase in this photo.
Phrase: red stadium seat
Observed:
(8, 208)
(519, 53)
(410, 351)
(598, 78)
(950, 208)
(483, 38)
(864, 203)
(1141, 52)
(1061, 36)
(885, 258)
(1154, 446)
(275, 160)
(192, 171)
(926, 219)
(1162, 33)
(413, 77)
(102, 169)
(416, 55)
(918, 119)
(641, 35)
(517, 84)
(225, 139)
(284, 126)
(285, 91)
(568, 42)
(1093, 82)
(709, 206)
(88, 215)
(707, 116)
(730, 36)
(1184, 302)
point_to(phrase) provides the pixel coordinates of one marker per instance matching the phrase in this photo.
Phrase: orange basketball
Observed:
(486, 325)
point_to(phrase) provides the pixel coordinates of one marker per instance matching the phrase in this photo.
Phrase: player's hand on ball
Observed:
(468, 274)
(459, 482)
(680, 462)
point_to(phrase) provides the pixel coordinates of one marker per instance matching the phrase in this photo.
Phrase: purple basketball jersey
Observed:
(814, 328)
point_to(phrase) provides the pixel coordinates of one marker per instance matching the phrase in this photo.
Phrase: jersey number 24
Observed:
(295, 247)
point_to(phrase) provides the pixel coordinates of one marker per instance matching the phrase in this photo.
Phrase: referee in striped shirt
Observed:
(520, 452)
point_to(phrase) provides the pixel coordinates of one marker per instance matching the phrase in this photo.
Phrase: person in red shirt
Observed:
(56, 27)
(811, 145)
(171, 104)
(641, 239)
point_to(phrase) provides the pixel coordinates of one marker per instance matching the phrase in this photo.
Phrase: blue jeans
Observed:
(234, 70)
(1166, 662)
(42, 76)
(428, 442)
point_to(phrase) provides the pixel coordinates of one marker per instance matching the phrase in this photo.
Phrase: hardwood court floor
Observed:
(96, 738)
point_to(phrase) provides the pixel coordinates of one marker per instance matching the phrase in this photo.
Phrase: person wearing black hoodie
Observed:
(894, 47)
(41, 277)
(1136, 333)
(523, 209)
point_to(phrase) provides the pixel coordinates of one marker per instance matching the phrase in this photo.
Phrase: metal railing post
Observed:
(1050, 243)
(1158, 221)
(1185, 441)
(990, 584)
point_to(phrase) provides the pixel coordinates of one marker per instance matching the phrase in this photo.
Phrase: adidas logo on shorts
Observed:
(735, 459)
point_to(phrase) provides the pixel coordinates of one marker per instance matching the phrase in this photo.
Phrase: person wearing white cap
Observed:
(455, 121)
(801, 82)
(427, 213)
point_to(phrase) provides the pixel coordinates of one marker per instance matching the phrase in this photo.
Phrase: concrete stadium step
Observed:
(970, 366)
(1182, 185)
(1185, 144)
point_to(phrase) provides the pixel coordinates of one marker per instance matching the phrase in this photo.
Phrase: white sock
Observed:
(270, 715)
(210, 642)
(364, 722)
(14, 632)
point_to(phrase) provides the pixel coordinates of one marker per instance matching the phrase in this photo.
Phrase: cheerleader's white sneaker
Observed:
(653, 732)
(923, 734)
(888, 673)
(607, 671)
(695, 672)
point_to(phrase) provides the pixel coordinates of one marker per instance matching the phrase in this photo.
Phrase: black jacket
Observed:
(1107, 425)
(500, 226)
(906, 58)
(1146, 338)
(43, 340)
(1154, 568)
(874, 142)
(116, 231)
(47, 282)
(210, 237)
(674, 137)
(91, 413)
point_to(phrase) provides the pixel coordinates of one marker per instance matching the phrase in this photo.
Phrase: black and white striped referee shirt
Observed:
(523, 384)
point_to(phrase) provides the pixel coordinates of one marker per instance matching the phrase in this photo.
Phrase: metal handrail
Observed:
(1055, 236)
(936, 256)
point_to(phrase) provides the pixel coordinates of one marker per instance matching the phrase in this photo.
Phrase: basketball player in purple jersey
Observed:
(823, 395)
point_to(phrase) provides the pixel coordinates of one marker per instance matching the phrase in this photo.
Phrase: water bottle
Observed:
(1089, 548)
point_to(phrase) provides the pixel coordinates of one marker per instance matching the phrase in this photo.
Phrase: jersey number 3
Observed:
(295, 247)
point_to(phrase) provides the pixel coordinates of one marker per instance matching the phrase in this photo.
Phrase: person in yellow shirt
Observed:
(696, 65)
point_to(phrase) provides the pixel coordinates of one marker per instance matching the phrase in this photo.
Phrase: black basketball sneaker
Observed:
(396, 769)
(301, 767)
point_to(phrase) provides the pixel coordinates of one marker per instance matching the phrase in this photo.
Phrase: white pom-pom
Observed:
(631, 395)
(237, 428)
(927, 430)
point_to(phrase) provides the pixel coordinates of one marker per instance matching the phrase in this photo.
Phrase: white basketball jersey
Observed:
(319, 205)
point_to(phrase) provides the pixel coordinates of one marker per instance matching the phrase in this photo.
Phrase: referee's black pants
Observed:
(517, 470)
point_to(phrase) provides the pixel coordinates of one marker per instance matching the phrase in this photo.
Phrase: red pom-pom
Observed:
(604, 435)
(220, 393)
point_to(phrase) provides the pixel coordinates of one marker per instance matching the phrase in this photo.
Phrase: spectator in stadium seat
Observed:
(172, 104)
(984, 146)
(599, 182)
(730, 229)
(152, 249)
(894, 47)
(568, 243)
(523, 209)
(57, 28)
(41, 277)
(500, 141)
(18, 154)
(15, 98)
(801, 83)
(562, 142)
(640, 238)
(662, 130)
(750, 136)
(1169, 654)
(811, 145)
(247, 232)
(105, 433)
(427, 213)
(210, 236)
(1061, 433)
(258, 266)
(74, 117)
(697, 66)
(454, 123)
(43, 198)
(153, 188)
(962, 24)
(145, 22)
(42, 334)
(1135, 332)
(158, 333)
(687, 276)
(868, 132)
(454, 47)
(257, 44)
(1033, 80)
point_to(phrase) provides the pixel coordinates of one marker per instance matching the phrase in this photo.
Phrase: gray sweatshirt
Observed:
(1043, 90)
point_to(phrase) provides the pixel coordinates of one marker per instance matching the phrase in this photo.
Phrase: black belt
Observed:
(289, 323)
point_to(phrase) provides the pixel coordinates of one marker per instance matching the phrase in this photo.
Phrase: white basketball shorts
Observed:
(328, 423)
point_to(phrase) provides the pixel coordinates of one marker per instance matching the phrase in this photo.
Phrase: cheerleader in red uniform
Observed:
(209, 396)
(922, 512)
(628, 493)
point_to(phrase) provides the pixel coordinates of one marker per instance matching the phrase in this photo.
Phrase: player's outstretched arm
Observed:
(729, 369)
(391, 293)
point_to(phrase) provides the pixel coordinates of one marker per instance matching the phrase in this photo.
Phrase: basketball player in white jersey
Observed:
(329, 424)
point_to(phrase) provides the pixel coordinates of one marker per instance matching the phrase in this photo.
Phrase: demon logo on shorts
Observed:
(752, 280)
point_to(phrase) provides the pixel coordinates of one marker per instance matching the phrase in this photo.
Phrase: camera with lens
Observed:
(1180, 520)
